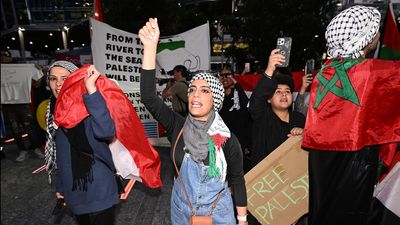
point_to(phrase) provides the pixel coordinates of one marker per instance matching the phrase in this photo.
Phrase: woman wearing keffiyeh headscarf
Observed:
(351, 121)
(208, 156)
(85, 169)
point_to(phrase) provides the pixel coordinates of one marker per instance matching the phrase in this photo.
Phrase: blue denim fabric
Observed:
(202, 191)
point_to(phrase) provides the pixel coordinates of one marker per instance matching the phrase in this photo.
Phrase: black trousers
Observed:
(104, 217)
(341, 186)
(19, 120)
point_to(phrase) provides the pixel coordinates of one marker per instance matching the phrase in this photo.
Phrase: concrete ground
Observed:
(28, 198)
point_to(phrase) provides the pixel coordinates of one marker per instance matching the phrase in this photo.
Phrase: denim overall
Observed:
(202, 191)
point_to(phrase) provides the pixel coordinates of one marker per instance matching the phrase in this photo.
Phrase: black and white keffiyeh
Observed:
(352, 30)
(64, 64)
(50, 148)
(217, 89)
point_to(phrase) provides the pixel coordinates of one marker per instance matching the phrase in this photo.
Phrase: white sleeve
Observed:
(36, 73)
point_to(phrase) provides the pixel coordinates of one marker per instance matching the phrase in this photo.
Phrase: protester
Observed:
(300, 104)
(270, 109)
(56, 75)
(85, 175)
(235, 114)
(177, 89)
(15, 106)
(208, 154)
(352, 112)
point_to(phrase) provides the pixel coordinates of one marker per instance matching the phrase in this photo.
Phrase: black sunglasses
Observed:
(225, 74)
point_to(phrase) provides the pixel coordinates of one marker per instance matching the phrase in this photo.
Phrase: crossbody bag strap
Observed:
(180, 179)
(177, 171)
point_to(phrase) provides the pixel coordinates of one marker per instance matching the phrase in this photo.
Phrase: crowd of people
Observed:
(217, 133)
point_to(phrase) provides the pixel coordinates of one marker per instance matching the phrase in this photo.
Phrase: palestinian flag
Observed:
(391, 37)
(133, 155)
(354, 103)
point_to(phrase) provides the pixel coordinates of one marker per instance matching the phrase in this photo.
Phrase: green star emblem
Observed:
(347, 91)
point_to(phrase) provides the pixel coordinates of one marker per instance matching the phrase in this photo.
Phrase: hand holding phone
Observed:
(284, 45)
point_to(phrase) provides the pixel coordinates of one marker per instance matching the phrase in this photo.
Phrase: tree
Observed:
(257, 22)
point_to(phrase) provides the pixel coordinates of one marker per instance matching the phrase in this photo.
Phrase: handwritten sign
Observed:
(277, 188)
(117, 54)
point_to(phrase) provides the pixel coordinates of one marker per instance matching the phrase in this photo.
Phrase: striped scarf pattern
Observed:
(50, 149)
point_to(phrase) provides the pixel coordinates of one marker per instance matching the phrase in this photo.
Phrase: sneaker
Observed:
(38, 153)
(22, 156)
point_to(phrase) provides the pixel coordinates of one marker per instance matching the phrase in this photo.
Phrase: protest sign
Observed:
(277, 187)
(190, 48)
(118, 55)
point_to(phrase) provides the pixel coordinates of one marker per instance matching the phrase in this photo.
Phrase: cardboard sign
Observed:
(277, 188)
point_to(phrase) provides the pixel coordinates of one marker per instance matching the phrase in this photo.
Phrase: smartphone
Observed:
(284, 44)
(310, 66)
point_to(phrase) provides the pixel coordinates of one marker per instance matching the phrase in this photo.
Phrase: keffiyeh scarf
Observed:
(204, 138)
(50, 148)
(351, 31)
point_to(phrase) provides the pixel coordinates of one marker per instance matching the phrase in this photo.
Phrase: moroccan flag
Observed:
(391, 37)
(354, 103)
(133, 155)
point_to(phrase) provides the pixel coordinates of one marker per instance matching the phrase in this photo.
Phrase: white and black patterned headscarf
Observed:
(216, 87)
(194, 131)
(352, 30)
(50, 149)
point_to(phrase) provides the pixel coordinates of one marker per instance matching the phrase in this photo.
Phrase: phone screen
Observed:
(310, 66)
(284, 44)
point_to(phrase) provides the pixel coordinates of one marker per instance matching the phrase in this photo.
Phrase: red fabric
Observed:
(338, 124)
(98, 11)
(391, 37)
(70, 110)
(387, 154)
(249, 81)
(219, 140)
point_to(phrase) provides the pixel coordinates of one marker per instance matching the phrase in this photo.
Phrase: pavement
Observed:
(29, 199)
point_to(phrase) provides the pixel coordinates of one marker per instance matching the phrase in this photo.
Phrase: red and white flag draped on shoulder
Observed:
(130, 139)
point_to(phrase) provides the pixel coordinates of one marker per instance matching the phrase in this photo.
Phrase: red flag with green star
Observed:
(354, 103)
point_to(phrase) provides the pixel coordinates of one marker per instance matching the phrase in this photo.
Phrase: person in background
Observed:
(177, 89)
(207, 154)
(352, 119)
(235, 114)
(299, 104)
(18, 117)
(270, 109)
(85, 169)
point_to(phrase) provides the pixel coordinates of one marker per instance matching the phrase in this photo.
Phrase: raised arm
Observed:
(149, 35)
(265, 86)
(103, 125)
